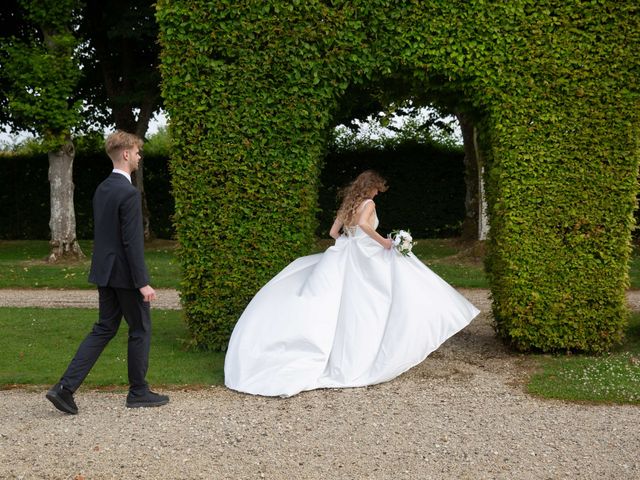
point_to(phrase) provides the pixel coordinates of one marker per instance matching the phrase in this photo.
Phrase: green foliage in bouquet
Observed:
(253, 89)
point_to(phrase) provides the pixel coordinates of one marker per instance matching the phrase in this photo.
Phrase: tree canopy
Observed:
(121, 80)
(40, 68)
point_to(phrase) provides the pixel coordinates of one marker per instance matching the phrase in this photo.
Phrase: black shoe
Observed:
(149, 399)
(62, 399)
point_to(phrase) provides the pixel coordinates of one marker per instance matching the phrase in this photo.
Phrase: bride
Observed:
(358, 314)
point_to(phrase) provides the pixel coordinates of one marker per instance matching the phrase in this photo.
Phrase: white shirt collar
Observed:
(122, 172)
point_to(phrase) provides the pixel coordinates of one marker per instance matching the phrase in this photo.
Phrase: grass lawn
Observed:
(459, 263)
(612, 377)
(634, 269)
(37, 345)
(23, 265)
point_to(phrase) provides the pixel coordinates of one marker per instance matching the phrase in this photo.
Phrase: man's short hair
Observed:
(120, 140)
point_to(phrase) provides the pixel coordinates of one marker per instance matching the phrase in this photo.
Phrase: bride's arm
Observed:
(335, 229)
(363, 223)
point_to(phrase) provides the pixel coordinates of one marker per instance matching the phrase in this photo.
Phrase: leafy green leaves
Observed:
(253, 89)
(41, 71)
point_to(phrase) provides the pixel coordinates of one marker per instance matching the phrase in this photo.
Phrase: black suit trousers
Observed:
(113, 304)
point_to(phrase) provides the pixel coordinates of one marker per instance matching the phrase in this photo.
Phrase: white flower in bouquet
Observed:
(402, 241)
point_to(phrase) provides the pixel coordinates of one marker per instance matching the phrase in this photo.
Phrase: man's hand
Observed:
(148, 293)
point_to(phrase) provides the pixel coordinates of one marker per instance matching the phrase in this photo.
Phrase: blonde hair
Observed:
(357, 192)
(121, 140)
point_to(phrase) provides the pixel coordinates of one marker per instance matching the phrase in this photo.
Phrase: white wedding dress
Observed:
(354, 315)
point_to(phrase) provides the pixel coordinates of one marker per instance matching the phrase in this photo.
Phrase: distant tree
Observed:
(40, 72)
(158, 144)
(396, 125)
(10, 27)
(475, 224)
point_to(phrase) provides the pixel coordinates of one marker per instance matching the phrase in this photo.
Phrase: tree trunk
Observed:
(483, 217)
(471, 202)
(62, 221)
(142, 125)
(476, 224)
(138, 181)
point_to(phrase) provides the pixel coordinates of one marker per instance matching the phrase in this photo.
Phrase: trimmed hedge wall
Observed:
(437, 200)
(426, 187)
(24, 194)
(252, 87)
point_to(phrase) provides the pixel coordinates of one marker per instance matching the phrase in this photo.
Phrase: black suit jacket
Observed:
(118, 248)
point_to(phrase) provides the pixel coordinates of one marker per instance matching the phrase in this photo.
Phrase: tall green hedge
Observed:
(252, 87)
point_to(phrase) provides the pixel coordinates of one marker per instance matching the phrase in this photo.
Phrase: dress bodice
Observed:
(355, 230)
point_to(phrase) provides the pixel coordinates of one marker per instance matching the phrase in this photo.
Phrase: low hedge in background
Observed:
(426, 187)
(24, 194)
(426, 194)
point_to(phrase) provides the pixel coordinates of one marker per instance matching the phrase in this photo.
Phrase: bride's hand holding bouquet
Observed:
(402, 241)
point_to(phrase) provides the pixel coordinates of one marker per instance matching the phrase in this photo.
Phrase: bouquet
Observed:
(402, 241)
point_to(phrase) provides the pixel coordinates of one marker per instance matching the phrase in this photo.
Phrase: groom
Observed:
(119, 271)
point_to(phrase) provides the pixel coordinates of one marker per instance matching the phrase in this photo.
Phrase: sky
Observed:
(9, 138)
(369, 128)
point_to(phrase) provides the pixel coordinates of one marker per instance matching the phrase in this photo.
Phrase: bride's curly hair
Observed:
(357, 192)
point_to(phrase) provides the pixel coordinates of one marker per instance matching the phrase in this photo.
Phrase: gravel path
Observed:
(46, 298)
(461, 414)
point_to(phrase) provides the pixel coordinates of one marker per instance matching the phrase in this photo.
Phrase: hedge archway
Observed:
(252, 87)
